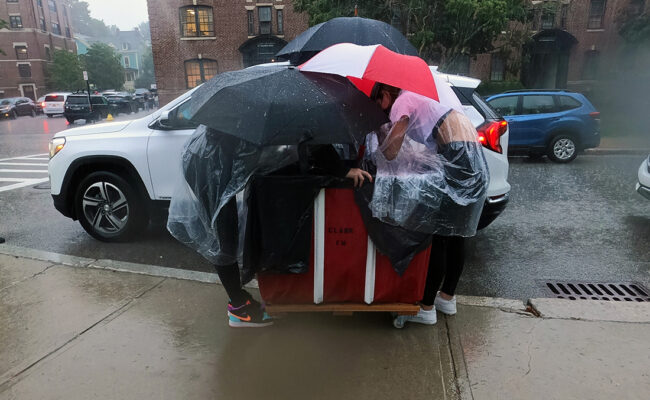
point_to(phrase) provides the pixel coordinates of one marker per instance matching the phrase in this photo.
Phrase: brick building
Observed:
(36, 28)
(192, 40)
(573, 42)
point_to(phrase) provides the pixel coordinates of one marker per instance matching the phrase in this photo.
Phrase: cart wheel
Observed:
(399, 321)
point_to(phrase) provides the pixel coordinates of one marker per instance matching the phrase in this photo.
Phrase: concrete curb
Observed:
(113, 265)
(612, 151)
(543, 307)
(592, 310)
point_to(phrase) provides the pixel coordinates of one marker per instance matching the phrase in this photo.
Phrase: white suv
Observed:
(112, 177)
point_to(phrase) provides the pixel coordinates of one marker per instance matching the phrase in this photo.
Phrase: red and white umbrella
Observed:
(365, 65)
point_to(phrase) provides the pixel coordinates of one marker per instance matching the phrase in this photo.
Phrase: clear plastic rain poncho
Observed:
(216, 168)
(432, 178)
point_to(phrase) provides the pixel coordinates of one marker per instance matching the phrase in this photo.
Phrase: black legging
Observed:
(446, 261)
(228, 236)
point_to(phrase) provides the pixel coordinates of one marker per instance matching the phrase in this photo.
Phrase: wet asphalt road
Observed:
(581, 221)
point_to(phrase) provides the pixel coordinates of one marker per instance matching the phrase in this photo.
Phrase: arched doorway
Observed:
(261, 49)
(548, 59)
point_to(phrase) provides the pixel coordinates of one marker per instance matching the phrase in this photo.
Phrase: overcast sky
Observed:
(126, 14)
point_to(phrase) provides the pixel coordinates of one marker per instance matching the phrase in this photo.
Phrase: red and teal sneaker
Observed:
(249, 315)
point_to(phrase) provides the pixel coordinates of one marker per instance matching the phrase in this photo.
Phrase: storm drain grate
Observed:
(597, 291)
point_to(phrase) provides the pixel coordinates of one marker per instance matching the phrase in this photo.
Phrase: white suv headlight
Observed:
(56, 145)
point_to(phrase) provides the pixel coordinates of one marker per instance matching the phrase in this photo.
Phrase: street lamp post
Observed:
(88, 88)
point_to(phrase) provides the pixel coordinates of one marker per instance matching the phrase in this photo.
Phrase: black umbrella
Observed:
(283, 106)
(361, 31)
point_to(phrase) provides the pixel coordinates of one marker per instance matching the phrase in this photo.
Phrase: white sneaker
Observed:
(426, 317)
(445, 306)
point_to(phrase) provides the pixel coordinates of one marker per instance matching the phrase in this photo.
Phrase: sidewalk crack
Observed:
(27, 278)
(456, 365)
(109, 317)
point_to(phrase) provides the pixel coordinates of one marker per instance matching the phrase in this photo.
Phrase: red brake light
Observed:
(595, 114)
(490, 132)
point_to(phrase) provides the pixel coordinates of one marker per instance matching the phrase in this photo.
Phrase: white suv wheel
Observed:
(109, 208)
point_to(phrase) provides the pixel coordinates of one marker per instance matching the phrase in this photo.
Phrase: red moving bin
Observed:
(345, 267)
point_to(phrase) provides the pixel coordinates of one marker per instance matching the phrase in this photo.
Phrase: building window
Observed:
(52, 5)
(67, 32)
(127, 62)
(596, 13)
(635, 7)
(251, 22)
(564, 10)
(264, 15)
(548, 20)
(48, 55)
(590, 65)
(15, 21)
(40, 3)
(196, 21)
(280, 18)
(24, 70)
(498, 68)
(56, 28)
(12, 1)
(43, 26)
(21, 52)
(199, 71)
(125, 46)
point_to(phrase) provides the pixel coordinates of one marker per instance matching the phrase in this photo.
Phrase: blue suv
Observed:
(557, 123)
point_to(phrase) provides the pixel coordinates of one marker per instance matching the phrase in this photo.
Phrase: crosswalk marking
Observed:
(27, 157)
(26, 177)
(24, 164)
(33, 171)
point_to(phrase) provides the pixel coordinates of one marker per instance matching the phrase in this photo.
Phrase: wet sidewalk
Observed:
(74, 332)
(630, 144)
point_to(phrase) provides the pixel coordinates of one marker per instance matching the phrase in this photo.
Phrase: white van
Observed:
(54, 102)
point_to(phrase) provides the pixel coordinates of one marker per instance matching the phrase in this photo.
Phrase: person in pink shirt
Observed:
(431, 177)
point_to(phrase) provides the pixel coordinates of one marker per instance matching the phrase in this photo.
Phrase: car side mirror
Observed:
(164, 121)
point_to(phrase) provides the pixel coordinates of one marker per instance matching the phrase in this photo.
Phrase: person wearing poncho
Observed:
(431, 178)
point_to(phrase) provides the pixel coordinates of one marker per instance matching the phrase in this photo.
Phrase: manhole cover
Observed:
(43, 186)
(619, 291)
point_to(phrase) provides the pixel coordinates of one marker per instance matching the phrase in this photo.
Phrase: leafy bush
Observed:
(488, 88)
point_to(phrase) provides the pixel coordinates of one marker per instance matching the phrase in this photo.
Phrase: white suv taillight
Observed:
(489, 134)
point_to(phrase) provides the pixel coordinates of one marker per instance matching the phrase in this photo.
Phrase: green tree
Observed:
(104, 67)
(65, 72)
(84, 23)
(449, 28)
(145, 30)
(147, 76)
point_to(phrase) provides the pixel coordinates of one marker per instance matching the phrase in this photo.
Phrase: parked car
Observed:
(558, 123)
(40, 104)
(12, 107)
(54, 103)
(77, 107)
(643, 186)
(121, 103)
